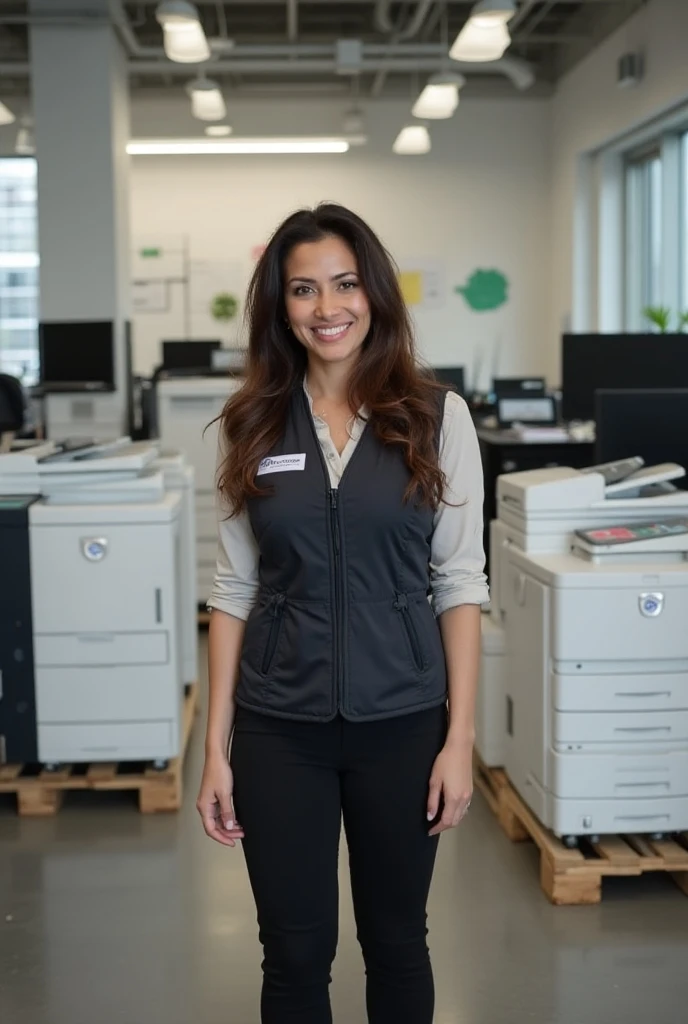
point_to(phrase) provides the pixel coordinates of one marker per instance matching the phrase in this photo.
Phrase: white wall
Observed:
(479, 200)
(589, 110)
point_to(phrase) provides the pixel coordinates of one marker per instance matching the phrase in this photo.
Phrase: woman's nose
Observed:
(327, 306)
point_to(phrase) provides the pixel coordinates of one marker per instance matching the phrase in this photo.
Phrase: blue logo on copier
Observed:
(651, 605)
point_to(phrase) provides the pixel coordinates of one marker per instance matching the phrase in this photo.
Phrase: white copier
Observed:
(596, 647)
(106, 571)
(188, 408)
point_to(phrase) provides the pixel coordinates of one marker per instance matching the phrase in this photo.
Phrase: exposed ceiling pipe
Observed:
(385, 24)
(518, 71)
(292, 20)
(521, 14)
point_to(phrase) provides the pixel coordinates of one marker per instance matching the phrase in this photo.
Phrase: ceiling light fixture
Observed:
(440, 97)
(6, 115)
(265, 146)
(207, 101)
(183, 36)
(413, 140)
(216, 131)
(485, 36)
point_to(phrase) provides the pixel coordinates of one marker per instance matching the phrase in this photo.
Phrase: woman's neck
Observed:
(328, 382)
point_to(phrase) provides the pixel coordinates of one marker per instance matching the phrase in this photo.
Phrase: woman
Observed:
(351, 489)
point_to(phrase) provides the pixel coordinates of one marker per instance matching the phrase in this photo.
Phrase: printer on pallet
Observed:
(91, 648)
(590, 588)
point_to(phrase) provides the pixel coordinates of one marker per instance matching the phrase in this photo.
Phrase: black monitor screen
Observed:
(452, 376)
(594, 361)
(518, 387)
(79, 353)
(188, 355)
(650, 423)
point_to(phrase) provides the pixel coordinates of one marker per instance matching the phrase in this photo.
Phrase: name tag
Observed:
(282, 464)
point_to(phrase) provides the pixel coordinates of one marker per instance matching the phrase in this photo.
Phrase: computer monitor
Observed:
(77, 355)
(453, 376)
(602, 361)
(188, 355)
(518, 387)
(652, 423)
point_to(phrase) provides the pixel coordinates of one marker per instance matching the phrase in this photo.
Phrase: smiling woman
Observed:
(350, 488)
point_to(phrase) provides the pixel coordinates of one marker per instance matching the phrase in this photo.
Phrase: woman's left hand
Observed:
(451, 785)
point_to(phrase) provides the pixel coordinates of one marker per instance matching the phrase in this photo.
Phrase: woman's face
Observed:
(326, 304)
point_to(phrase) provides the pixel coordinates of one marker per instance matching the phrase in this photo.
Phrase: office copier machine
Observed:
(94, 644)
(591, 696)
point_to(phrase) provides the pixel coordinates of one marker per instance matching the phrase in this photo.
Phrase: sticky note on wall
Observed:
(411, 284)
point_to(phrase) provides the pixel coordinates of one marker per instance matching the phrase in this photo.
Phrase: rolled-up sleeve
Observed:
(235, 586)
(457, 560)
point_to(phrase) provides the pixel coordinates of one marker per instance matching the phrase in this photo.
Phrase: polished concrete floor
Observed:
(109, 917)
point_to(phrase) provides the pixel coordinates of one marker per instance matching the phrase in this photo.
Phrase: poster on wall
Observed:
(149, 297)
(209, 278)
(422, 283)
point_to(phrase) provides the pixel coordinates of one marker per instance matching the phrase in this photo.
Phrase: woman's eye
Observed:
(348, 284)
(302, 289)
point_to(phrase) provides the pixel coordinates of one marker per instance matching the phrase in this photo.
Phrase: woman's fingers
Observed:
(449, 812)
(434, 797)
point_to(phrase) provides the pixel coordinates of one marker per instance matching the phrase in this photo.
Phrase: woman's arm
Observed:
(459, 588)
(231, 600)
(225, 639)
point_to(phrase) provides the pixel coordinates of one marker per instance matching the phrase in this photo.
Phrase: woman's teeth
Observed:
(331, 332)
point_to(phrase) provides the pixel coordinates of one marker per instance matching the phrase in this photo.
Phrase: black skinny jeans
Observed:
(293, 782)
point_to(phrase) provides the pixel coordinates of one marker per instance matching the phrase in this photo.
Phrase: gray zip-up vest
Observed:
(342, 623)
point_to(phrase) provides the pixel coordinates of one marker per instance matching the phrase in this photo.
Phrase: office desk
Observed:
(501, 452)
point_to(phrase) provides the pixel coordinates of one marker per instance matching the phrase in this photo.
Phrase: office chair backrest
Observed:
(12, 408)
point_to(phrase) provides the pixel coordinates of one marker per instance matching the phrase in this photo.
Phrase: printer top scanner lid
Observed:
(550, 490)
(561, 489)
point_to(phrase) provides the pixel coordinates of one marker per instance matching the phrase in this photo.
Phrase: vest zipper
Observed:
(336, 545)
(402, 606)
(273, 635)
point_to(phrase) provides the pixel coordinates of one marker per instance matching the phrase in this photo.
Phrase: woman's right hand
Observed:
(214, 803)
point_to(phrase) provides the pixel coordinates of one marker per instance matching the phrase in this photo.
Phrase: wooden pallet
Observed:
(574, 877)
(40, 793)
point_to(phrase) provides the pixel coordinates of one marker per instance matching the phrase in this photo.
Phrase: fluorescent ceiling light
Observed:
(218, 130)
(207, 101)
(413, 140)
(199, 147)
(491, 12)
(440, 97)
(6, 115)
(183, 36)
(481, 42)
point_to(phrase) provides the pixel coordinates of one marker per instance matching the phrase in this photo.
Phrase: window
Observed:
(644, 238)
(18, 269)
(684, 222)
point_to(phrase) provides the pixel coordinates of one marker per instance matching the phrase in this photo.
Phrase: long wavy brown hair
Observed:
(401, 395)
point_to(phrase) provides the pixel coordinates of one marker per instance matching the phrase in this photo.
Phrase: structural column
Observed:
(81, 113)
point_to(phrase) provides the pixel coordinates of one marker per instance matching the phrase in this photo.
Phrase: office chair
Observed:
(12, 410)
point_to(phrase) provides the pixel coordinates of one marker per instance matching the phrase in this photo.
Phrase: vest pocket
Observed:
(402, 606)
(274, 632)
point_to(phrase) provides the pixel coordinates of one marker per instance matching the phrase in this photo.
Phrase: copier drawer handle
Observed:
(644, 695)
(96, 638)
(520, 589)
(643, 728)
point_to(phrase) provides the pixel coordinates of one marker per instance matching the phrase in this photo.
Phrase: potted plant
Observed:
(660, 317)
(224, 307)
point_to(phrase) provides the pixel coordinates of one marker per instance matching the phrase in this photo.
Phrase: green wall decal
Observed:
(486, 289)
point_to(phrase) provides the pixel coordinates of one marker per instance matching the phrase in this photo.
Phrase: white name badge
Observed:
(282, 464)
